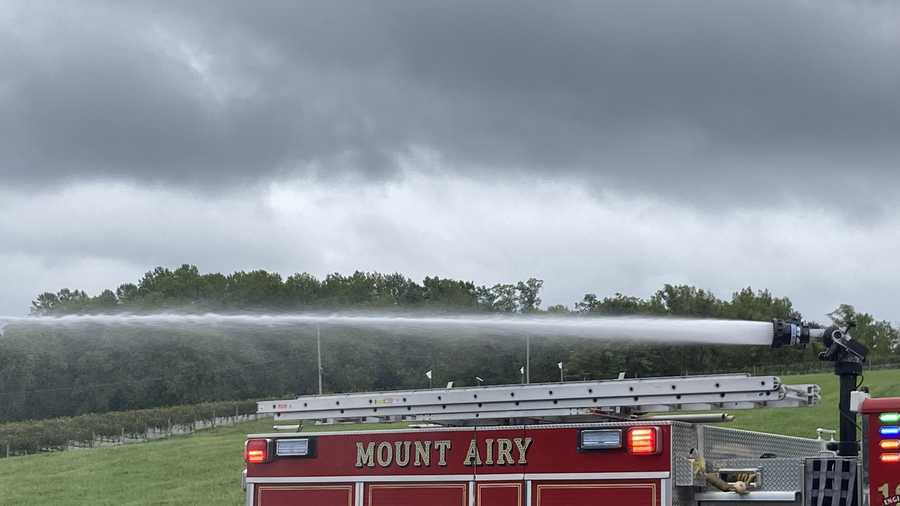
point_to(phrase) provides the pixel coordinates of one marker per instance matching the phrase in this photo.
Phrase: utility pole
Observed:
(319, 356)
(527, 359)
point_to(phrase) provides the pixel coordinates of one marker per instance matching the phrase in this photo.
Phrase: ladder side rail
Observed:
(548, 414)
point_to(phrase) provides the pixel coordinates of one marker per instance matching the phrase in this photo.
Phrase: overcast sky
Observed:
(602, 146)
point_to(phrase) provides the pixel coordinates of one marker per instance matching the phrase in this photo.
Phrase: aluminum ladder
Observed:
(549, 402)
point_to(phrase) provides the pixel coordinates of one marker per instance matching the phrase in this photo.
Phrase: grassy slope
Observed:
(205, 468)
(803, 422)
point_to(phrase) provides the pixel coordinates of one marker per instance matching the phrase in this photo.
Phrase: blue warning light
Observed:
(890, 430)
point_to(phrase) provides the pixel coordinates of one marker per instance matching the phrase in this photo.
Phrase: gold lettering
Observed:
(442, 447)
(472, 455)
(365, 456)
(423, 453)
(385, 454)
(522, 446)
(489, 457)
(504, 452)
(401, 453)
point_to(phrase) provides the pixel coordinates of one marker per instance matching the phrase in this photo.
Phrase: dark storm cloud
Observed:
(667, 97)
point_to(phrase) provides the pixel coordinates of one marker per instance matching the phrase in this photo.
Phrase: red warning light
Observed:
(890, 458)
(643, 440)
(256, 451)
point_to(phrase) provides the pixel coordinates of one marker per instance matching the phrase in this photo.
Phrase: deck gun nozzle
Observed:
(837, 342)
(786, 333)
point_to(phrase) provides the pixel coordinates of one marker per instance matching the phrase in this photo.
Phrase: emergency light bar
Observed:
(889, 441)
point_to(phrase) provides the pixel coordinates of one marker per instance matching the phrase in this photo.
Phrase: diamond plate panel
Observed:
(683, 496)
(724, 443)
(782, 474)
(684, 439)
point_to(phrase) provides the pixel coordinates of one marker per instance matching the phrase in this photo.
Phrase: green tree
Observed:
(529, 294)
(879, 336)
(45, 303)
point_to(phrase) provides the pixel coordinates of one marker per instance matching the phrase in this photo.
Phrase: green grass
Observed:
(205, 468)
(803, 422)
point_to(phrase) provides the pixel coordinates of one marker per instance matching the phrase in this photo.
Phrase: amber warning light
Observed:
(889, 444)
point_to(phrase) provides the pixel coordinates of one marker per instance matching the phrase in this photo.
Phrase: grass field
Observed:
(205, 468)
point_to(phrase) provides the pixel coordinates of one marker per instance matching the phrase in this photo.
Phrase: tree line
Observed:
(55, 371)
(186, 289)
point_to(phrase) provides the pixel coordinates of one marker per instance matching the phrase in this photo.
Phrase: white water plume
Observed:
(633, 329)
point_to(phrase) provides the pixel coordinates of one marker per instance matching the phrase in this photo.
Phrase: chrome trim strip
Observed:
(755, 496)
(462, 477)
(596, 476)
(251, 491)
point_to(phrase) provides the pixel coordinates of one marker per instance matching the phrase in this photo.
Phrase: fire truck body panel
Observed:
(497, 466)
(380, 467)
(449, 450)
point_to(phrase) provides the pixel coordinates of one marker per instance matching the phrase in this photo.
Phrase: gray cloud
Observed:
(604, 146)
(672, 98)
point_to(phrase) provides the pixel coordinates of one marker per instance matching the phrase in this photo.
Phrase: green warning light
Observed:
(889, 417)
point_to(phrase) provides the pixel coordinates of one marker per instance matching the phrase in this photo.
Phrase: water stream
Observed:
(634, 329)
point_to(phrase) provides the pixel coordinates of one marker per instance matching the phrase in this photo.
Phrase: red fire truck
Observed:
(578, 444)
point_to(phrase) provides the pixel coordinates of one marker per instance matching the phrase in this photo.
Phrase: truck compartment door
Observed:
(292, 495)
(417, 494)
(594, 493)
(500, 494)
